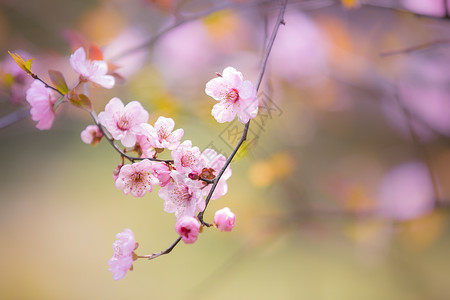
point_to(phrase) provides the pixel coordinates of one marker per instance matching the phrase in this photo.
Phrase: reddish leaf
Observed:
(80, 100)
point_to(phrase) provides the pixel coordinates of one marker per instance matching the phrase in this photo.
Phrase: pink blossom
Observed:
(188, 228)
(161, 136)
(41, 100)
(236, 95)
(162, 172)
(216, 161)
(224, 219)
(136, 178)
(123, 123)
(183, 196)
(122, 259)
(92, 70)
(92, 135)
(144, 146)
(187, 158)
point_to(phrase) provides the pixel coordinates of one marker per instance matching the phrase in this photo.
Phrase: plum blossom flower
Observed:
(236, 95)
(183, 196)
(187, 158)
(224, 219)
(188, 228)
(123, 123)
(92, 135)
(136, 178)
(162, 172)
(144, 147)
(214, 161)
(162, 135)
(92, 70)
(41, 100)
(122, 259)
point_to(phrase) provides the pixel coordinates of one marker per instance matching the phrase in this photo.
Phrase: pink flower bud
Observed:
(224, 219)
(188, 228)
(91, 135)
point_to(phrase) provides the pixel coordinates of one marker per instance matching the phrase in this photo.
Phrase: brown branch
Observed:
(280, 21)
(167, 251)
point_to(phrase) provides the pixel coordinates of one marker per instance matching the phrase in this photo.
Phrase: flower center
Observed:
(137, 177)
(232, 95)
(123, 124)
(187, 160)
(185, 231)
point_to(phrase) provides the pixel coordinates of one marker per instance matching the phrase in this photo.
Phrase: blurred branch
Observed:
(419, 146)
(416, 48)
(399, 9)
(180, 19)
(14, 117)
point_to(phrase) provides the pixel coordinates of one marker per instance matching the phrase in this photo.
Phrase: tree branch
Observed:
(280, 21)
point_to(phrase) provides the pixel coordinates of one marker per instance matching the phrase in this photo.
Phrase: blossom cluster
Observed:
(186, 182)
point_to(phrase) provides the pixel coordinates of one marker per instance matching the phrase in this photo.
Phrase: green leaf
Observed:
(58, 80)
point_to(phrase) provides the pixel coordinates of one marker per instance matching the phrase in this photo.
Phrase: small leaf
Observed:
(24, 65)
(55, 106)
(80, 100)
(58, 80)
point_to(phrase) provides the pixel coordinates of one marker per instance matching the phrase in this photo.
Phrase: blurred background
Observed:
(342, 191)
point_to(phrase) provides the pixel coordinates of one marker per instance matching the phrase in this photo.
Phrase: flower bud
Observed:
(188, 228)
(224, 219)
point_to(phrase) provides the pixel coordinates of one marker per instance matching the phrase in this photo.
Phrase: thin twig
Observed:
(280, 21)
(167, 251)
(445, 17)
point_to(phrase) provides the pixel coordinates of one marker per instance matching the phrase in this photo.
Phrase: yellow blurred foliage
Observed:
(350, 3)
(366, 230)
(358, 200)
(102, 24)
(222, 24)
(422, 232)
(148, 88)
(265, 172)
